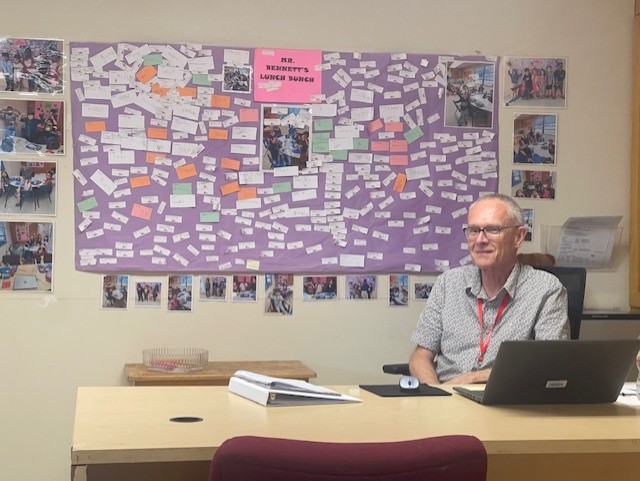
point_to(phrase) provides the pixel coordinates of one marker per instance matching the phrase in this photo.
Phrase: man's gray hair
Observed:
(514, 211)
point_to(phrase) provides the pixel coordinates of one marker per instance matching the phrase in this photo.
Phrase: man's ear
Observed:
(520, 235)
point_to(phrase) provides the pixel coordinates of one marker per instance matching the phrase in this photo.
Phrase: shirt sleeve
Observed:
(428, 330)
(553, 320)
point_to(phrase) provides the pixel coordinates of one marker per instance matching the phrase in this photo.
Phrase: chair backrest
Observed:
(11, 259)
(445, 458)
(574, 280)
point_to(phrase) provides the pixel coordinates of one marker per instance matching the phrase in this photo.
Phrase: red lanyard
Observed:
(484, 341)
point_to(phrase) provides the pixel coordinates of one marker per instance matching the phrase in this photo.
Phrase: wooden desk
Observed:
(125, 433)
(217, 373)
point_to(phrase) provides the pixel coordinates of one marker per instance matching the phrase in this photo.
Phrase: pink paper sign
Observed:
(287, 76)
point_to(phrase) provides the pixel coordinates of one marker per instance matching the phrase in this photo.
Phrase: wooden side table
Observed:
(217, 373)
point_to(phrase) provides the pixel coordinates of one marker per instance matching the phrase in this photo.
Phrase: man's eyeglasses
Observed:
(490, 231)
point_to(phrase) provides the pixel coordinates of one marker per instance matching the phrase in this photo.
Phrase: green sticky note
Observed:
(200, 79)
(413, 134)
(320, 137)
(210, 216)
(281, 187)
(340, 154)
(181, 189)
(322, 124)
(153, 59)
(320, 147)
(87, 204)
(361, 144)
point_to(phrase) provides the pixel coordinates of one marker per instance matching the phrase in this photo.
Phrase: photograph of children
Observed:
(148, 294)
(278, 294)
(31, 127)
(26, 254)
(31, 65)
(244, 288)
(115, 291)
(421, 290)
(399, 290)
(361, 287)
(286, 132)
(27, 184)
(534, 138)
(535, 82)
(528, 222)
(237, 79)
(533, 184)
(213, 288)
(469, 98)
(179, 293)
(319, 288)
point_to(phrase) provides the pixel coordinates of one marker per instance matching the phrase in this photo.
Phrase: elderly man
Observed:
(472, 309)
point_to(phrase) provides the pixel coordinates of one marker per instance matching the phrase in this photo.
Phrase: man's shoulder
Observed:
(529, 274)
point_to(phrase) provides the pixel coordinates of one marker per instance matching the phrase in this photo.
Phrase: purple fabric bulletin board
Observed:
(357, 215)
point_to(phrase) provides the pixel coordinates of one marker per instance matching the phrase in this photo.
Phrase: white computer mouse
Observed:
(409, 382)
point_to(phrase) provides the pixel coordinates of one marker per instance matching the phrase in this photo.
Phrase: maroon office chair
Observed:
(445, 458)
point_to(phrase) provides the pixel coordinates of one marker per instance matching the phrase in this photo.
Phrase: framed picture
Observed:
(179, 293)
(535, 138)
(34, 127)
(278, 294)
(31, 65)
(286, 136)
(27, 187)
(533, 184)
(115, 291)
(535, 82)
(469, 97)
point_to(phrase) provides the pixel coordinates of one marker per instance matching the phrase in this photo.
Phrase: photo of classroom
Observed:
(31, 65)
(533, 184)
(285, 136)
(534, 138)
(26, 253)
(535, 82)
(33, 127)
(469, 101)
(27, 187)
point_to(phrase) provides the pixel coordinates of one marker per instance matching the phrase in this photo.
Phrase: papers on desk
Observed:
(628, 395)
(274, 391)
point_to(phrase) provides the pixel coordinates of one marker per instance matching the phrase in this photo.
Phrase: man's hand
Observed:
(472, 377)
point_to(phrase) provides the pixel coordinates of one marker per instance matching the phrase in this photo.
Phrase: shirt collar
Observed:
(473, 282)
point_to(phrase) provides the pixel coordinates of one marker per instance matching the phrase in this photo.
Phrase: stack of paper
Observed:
(274, 391)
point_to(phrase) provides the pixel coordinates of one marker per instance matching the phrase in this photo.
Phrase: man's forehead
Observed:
(488, 209)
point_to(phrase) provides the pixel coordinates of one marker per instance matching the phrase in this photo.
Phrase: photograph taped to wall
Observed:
(34, 127)
(398, 290)
(529, 224)
(535, 82)
(245, 288)
(361, 287)
(28, 187)
(470, 92)
(533, 184)
(213, 288)
(115, 291)
(286, 136)
(31, 65)
(535, 138)
(26, 251)
(179, 293)
(422, 290)
(237, 79)
(148, 294)
(278, 294)
(319, 288)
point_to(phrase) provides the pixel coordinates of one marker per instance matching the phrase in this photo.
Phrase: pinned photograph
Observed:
(148, 294)
(399, 290)
(319, 288)
(115, 291)
(469, 97)
(278, 294)
(422, 290)
(286, 132)
(31, 65)
(528, 222)
(535, 82)
(26, 250)
(535, 138)
(28, 188)
(361, 287)
(237, 79)
(244, 288)
(533, 184)
(213, 288)
(33, 127)
(179, 292)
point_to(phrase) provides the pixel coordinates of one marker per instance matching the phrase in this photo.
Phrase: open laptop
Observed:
(556, 372)
(24, 283)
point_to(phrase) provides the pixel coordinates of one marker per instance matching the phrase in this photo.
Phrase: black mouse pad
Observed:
(394, 390)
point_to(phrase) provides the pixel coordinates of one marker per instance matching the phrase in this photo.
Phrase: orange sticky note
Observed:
(218, 134)
(141, 181)
(146, 73)
(375, 125)
(95, 126)
(157, 133)
(247, 193)
(230, 188)
(393, 127)
(249, 115)
(379, 146)
(400, 182)
(141, 211)
(221, 101)
(399, 160)
(398, 145)
(156, 89)
(185, 171)
(231, 164)
(187, 92)
(150, 157)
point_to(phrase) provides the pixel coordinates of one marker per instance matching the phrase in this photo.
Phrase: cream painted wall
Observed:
(52, 344)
